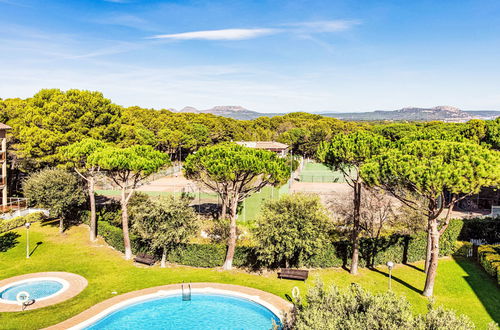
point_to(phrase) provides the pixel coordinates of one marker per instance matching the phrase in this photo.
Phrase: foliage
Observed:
(165, 222)
(429, 169)
(487, 229)
(291, 229)
(53, 118)
(489, 258)
(114, 237)
(127, 167)
(6, 225)
(355, 308)
(56, 190)
(235, 172)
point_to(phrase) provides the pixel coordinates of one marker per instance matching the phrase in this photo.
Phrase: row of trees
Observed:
(51, 119)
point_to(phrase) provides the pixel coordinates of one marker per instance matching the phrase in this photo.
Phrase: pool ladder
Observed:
(186, 295)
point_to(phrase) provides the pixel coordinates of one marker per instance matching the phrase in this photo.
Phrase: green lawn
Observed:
(461, 284)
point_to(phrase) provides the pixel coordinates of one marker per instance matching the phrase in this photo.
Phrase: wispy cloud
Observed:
(243, 34)
(225, 34)
(325, 26)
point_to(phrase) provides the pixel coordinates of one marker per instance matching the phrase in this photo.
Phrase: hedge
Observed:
(6, 225)
(487, 229)
(397, 248)
(489, 258)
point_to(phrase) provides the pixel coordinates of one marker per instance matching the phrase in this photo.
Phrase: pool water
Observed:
(204, 311)
(37, 289)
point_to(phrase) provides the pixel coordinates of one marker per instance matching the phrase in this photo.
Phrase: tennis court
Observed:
(317, 172)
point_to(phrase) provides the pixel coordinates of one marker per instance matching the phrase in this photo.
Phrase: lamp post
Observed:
(27, 225)
(390, 265)
(291, 169)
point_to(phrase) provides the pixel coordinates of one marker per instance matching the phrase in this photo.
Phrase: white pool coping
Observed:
(64, 283)
(174, 292)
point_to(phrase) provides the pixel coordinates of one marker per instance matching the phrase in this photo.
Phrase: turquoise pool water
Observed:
(37, 289)
(204, 311)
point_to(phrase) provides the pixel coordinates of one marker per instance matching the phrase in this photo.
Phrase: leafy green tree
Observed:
(430, 169)
(127, 167)
(355, 308)
(76, 156)
(235, 172)
(291, 230)
(53, 118)
(347, 153)
(493, 133)
(56, 190)
(165, 222)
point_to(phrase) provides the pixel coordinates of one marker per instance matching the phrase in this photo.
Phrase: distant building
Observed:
(280, 149)
(3, 161)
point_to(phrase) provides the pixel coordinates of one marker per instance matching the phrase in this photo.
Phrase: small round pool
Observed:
(37, 288)
(203, 311)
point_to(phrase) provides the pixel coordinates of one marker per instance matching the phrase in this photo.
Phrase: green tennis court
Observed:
(317, 172)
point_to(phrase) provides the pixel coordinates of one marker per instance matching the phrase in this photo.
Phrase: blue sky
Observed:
(268, 56)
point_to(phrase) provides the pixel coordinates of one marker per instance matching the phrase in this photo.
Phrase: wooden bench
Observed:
(294, 274)
(145, 259)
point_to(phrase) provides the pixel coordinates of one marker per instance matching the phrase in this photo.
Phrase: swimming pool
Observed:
(37, 288)
(203, 311)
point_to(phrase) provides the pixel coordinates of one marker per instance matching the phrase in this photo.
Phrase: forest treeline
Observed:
(52, 118)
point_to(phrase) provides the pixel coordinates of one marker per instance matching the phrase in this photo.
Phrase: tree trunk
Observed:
(356, 228)
(428, 248)
(432, 271)
(93, 217)
(126, 237)
(61, 225)
(223, 210)
(163, 257)
(231, 246)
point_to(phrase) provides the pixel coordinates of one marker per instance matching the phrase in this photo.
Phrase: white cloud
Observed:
(225, 34)
(325, 26)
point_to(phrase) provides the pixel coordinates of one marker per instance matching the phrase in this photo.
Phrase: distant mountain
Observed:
(231, 111)
(443, 113)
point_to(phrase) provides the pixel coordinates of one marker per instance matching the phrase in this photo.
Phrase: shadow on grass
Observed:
(8, 241)
(36, 247)
(415, 267)
(397, 279)
(483, 285)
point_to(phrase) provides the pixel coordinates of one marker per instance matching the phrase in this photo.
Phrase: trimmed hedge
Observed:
(489, 258)
(6, 225)
(487, 229)
(114, 237)
(397, 248)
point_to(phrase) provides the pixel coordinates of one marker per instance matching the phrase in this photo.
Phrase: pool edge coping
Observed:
(76, 284)
(275, 304)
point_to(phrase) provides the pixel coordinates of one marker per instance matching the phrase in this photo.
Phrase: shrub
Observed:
(114, 237)
(487, 229)
(57, 190)
(6, 225)
(355, 308)
(489, 258)
(462, 249)
(291, 229)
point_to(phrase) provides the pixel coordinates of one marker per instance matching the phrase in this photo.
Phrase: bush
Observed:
(355, 308)
(487, 229)
(489, 258)
(114, 237)
(462, 249)
(211, 255)
(6, 225)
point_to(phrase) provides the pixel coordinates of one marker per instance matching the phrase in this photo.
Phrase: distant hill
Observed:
(443, 113)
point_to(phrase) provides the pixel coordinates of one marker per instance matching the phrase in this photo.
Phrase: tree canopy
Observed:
(234, 172)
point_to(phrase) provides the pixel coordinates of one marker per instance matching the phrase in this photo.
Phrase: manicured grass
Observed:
(461, 284)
